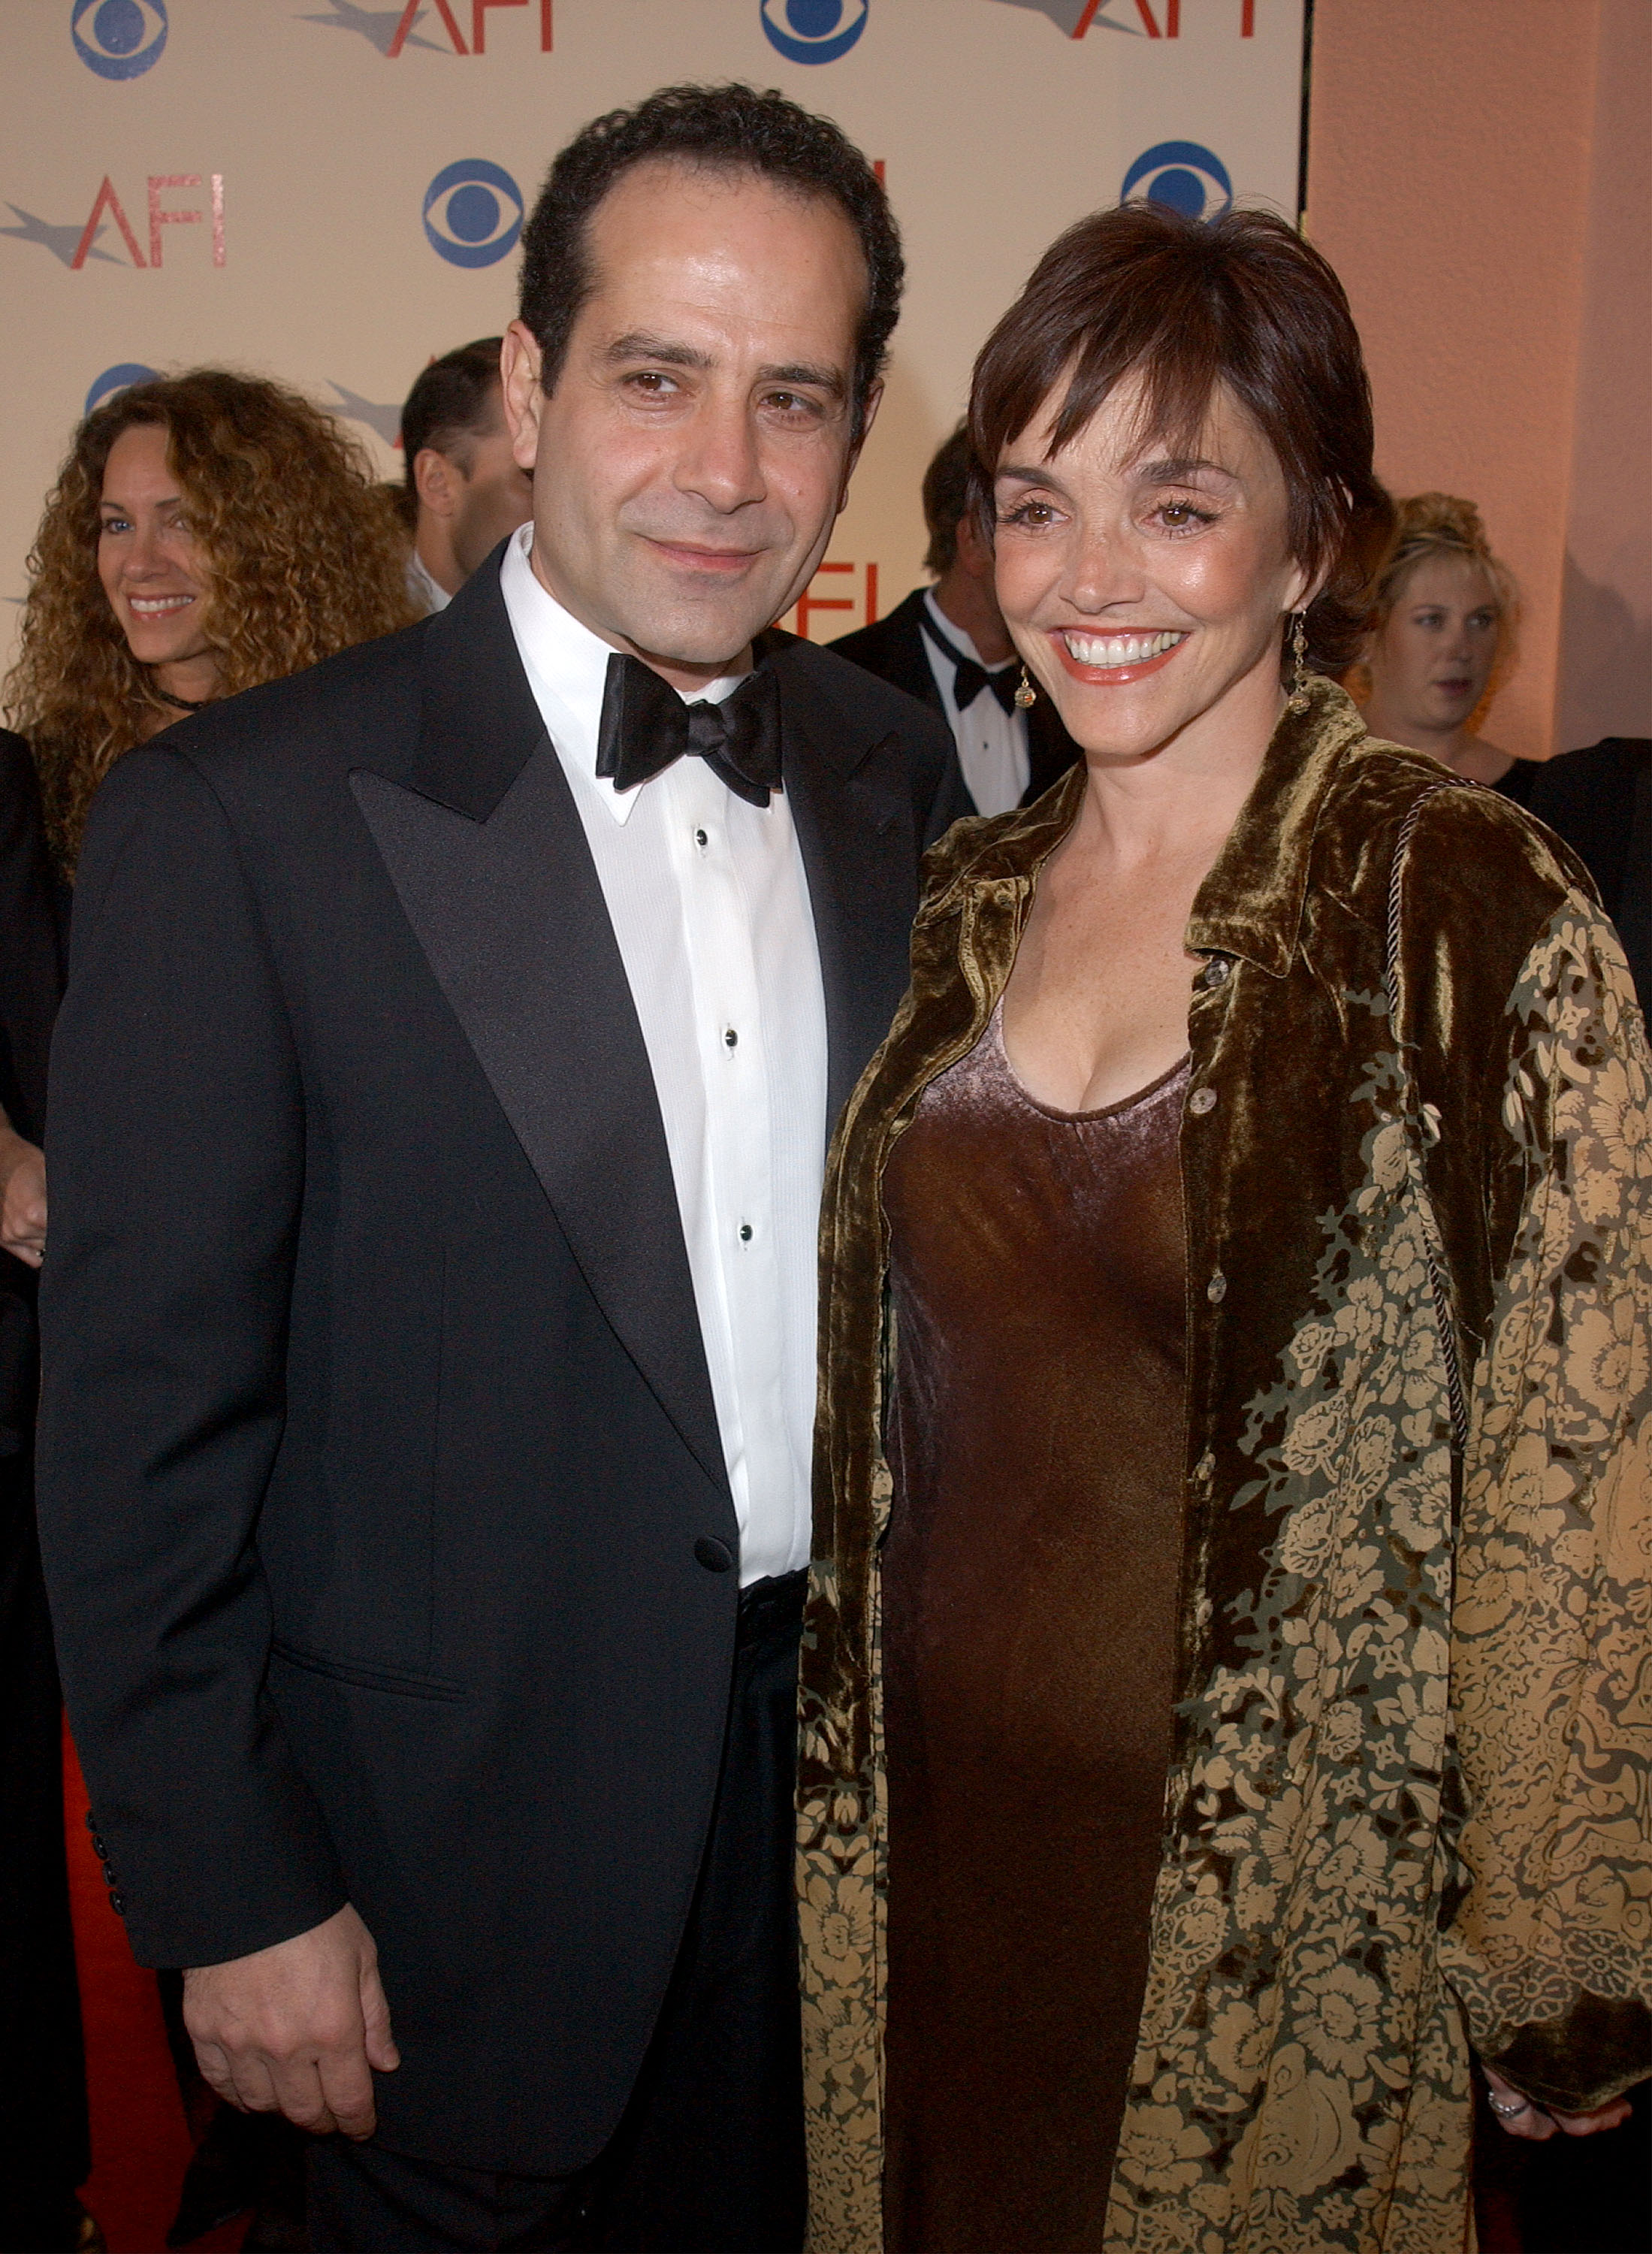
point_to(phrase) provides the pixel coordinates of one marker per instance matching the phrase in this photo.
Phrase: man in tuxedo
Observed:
(948, 645)
(464, 488)
(440, 1103)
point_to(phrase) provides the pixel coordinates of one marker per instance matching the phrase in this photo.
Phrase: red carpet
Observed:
(140, 2144)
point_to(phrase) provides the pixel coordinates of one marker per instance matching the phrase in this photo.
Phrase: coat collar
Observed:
(1251, 902)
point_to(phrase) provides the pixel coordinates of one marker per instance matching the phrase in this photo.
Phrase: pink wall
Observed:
(1474, 167)
(1605, 668)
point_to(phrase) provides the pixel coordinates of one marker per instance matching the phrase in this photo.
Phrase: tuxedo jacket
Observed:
(895, 649)
(386, 1518)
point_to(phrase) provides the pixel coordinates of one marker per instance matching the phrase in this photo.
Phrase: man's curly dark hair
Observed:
(728, 128)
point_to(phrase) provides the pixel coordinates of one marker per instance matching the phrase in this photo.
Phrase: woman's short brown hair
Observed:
(1189, 304)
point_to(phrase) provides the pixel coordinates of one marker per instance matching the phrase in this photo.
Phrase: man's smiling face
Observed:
(695, 453)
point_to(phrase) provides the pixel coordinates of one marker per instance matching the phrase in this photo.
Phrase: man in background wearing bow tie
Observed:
(425, 1470)
(949, 646)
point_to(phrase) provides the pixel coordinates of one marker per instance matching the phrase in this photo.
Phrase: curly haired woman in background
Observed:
(208, 532)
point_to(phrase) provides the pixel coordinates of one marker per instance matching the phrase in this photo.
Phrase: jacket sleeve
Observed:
(176, 1160)
(1550, 1952)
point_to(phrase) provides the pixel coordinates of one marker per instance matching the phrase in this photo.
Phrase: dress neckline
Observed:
(1154, 1088)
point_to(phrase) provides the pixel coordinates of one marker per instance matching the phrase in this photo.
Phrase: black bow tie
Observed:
(970, 679)
(645, 726)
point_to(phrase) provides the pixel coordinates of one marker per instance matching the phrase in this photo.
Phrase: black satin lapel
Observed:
(511, 918)
(855, 828)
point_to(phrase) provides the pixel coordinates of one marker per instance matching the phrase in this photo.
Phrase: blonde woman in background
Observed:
(208, 532)
(1442, 641)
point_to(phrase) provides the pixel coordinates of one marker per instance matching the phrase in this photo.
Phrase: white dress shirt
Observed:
(709, 906)
(427, 592)
(991, 743)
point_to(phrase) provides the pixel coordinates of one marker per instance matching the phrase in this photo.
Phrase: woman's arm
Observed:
(1551, 1951)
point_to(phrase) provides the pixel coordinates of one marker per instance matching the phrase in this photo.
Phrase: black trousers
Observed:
(44, 2147)
(709, 2156)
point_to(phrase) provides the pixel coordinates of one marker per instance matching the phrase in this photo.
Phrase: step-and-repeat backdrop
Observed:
(331, 191)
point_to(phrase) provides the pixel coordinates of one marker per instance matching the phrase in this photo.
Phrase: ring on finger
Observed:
(1508, 2112)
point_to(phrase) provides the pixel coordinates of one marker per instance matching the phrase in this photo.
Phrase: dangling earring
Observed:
(1025, 695)
(1299, 698)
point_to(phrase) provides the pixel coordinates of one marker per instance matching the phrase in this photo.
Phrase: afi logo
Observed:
(1183, 178)
(473, 212)
(119, 39)
(74, 245)
(1075, 18)
(391, 31)
(812, 30)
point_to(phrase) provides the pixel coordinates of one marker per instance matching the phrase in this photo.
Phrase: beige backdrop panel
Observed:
(996, 126)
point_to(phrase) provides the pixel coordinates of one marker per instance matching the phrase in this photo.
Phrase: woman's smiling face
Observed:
(1143, 584)
(147, 558)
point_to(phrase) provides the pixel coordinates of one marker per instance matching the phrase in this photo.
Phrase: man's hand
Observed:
(296, 2028)
(22, 1197)
(1539, 2123)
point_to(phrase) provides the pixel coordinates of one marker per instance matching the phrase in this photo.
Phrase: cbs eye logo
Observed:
(812, 30)
(1183, 178)
(473, 212)
(119, 39)
(118, 378)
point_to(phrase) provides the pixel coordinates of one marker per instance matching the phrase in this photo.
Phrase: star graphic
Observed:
(1069, 15)
(386, 421)
(61, 241)
(376, 24)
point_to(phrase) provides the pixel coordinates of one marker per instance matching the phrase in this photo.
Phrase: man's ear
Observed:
(872, 397)
(974, 553)
(521, 365)
(437, 482)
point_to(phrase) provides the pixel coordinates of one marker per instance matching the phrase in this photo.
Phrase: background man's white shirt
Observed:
(992, 748)
(710, 907)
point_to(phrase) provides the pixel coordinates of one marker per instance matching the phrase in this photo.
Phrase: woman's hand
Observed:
(1539, 2123)
(22, 1198)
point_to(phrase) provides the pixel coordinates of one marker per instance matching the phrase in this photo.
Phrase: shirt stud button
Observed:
(1216, 1289)
(731, 1038)
(700, 839)
(746, 1232)
(1201, 1100)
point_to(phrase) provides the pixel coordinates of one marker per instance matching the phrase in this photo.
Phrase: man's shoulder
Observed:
(282, 749)
(857, 698)
(891, 637)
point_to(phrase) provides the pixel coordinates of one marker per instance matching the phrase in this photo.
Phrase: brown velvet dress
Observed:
(1031, 1581)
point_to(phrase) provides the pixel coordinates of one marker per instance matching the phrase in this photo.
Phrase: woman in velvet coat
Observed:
(1223, 1684)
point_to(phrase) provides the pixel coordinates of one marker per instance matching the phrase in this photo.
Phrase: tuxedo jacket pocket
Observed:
(366, 1677)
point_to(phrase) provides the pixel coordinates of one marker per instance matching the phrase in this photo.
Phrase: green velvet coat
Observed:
(1406, 1809)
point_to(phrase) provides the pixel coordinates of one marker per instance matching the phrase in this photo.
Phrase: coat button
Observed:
(715, 1556)
(1216, 970)
(109, 1879)
(91, 1821)
(99, 1849)
(117, 1903)
(1201, 1100)
(1216, 1289)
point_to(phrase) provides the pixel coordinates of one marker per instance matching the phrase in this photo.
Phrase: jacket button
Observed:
(1216, 1289)
(99, 1849)
(91, 1821)
(109, 1878)
(117, 1903)
(1201, 1100)
(715, 1556)
(1216, 970)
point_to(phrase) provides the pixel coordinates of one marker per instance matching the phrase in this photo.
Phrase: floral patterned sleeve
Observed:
(1551, 1953)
